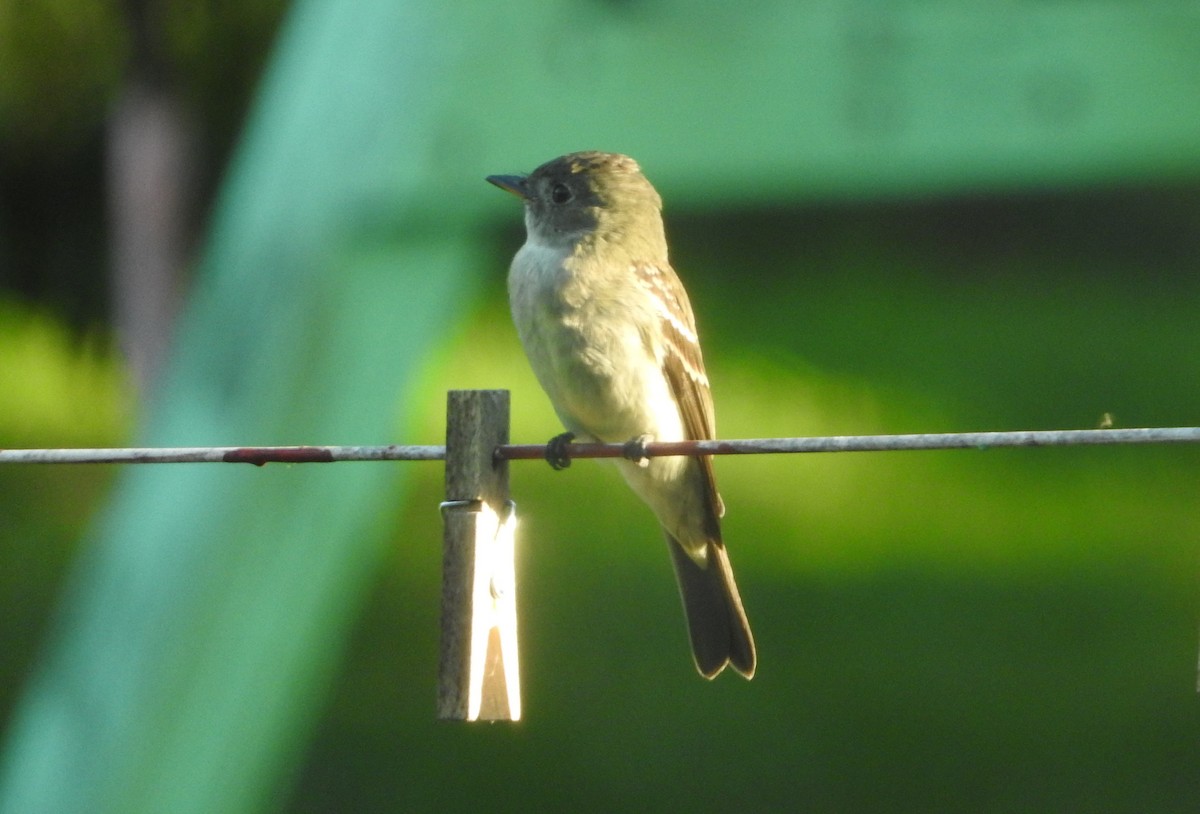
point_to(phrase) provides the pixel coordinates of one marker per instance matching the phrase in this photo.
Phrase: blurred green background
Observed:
(891, 217)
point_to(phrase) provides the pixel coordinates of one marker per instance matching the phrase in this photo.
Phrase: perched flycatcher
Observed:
(610, 335)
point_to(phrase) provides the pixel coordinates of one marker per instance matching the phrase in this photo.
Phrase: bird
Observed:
(609, 331)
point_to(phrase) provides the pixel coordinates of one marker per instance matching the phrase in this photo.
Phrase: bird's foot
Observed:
(558, 450)
(635, 449)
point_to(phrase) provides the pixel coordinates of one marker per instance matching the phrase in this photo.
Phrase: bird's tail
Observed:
(717, 623)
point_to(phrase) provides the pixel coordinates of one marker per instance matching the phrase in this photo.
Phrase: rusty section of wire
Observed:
(257, 456)
(753, 446)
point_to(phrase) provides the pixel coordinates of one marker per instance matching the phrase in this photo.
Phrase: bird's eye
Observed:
(560, 193)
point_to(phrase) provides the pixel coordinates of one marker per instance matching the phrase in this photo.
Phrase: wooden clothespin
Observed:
(478, 676)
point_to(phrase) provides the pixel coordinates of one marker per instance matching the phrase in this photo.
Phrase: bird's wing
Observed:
(683, 366)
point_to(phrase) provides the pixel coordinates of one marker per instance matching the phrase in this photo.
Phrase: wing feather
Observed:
(683, 367)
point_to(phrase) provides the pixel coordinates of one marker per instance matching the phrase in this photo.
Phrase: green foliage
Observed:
(58, 390)
(58, 70)
(63, 63)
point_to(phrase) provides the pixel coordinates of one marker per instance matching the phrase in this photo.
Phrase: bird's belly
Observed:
(604, 382)
(593, 355)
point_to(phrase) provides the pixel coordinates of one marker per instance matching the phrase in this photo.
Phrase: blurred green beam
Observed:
(781, 101)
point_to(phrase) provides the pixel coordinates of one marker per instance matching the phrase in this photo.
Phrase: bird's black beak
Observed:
(510, 183)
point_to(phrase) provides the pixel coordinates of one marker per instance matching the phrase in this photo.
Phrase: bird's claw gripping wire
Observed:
(558, 450)
(635, 450)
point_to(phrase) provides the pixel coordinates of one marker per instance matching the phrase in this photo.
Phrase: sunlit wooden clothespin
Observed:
(478, 675)
(495, 678)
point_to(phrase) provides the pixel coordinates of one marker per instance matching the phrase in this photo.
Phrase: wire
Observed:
(753, 446)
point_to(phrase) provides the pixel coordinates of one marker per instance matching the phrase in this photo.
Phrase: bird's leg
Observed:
(558, 450)
(635, 449)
